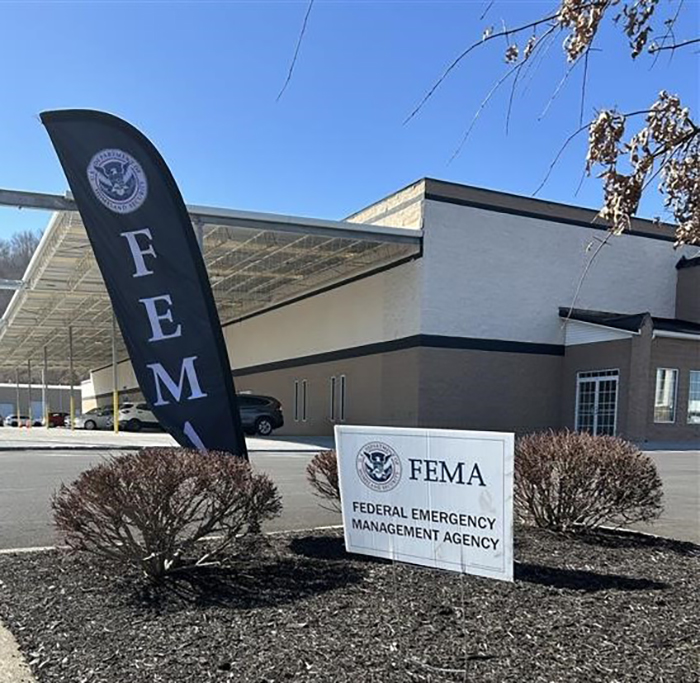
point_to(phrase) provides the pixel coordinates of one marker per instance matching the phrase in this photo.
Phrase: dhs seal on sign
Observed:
(378, 466)
(117, 180)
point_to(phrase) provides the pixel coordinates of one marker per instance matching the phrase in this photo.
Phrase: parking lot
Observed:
(30, 477)
(13, 438)
(34, 462)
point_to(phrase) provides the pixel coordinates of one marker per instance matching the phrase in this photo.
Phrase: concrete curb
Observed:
(49, 548)
(35, 549)
(107, 447)
(13, 666)
(4, 449)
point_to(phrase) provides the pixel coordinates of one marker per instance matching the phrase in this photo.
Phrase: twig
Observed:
(527, 59)
(585, 273)
(556, 158)
(536, 63)
(580, 182)
(668, 153)
(569, 139)
(493, 90)
(561, 84)
(506, 33)
(464, 53)
(296, 50)
(510, 99)
(583, 87)
(486, 11)
(675, 46)
(669, 32)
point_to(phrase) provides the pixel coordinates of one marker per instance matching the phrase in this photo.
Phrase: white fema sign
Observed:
(434, 497)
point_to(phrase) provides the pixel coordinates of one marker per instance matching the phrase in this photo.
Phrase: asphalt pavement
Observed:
(38, 438)
(680, 473)
(29, 478)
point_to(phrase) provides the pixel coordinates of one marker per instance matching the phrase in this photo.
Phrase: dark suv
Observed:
(260, 414)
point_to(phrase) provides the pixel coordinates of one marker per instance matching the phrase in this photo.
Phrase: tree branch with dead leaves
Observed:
(667, 146)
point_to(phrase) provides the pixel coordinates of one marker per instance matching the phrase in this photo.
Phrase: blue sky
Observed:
(201, 80)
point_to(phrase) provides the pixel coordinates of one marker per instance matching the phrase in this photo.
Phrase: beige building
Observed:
(442, 305)
(497, 322)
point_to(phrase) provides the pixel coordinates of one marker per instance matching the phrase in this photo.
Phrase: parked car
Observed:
(58, 419)
(97, 418)
(2, 421)
(133, 417)
(260, 414)
(20, 421)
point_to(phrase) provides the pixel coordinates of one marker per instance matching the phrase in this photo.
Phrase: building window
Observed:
(665, 399)
(694, 398)
(342, 398)
(304, 386)
(296, 400)
(331, 411)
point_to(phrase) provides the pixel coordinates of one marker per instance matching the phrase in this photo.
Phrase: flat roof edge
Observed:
(283, 222)
(550, 210)
(253, 219)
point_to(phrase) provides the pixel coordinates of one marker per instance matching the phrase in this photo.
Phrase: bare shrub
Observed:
(322, 474)
(149, 509)
(570, 480)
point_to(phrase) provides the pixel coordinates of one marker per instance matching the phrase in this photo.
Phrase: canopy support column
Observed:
(70, 371)
(30, 413)
(44, 393)
(19, 412)
(115, 376)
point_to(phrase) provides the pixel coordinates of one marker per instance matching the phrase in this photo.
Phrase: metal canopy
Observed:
(254, 260)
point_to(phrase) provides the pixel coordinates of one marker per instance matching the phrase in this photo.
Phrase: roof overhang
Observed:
(675, 335)
(255, 261)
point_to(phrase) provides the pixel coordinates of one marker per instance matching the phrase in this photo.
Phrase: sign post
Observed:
(435, 497)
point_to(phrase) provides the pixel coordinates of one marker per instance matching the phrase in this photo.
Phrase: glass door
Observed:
(596, 402)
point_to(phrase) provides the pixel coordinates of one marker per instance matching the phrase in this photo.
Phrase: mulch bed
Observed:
(604, 607)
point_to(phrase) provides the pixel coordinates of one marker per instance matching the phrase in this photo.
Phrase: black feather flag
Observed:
(155, 275)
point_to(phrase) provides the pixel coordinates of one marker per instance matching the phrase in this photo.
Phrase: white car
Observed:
(97, 418)
(133, 417)
(20, 421)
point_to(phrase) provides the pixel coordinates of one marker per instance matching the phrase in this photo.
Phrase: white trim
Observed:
(304, 399)
(675, 335)
(342, 404)
(675, 395)
(577, 333)
(296, 400)
(631, 333)
(690, 388)
(332, 408)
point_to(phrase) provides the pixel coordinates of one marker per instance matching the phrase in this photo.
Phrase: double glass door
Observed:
(596, 401)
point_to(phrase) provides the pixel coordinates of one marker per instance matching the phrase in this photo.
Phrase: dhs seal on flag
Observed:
(117, 180)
